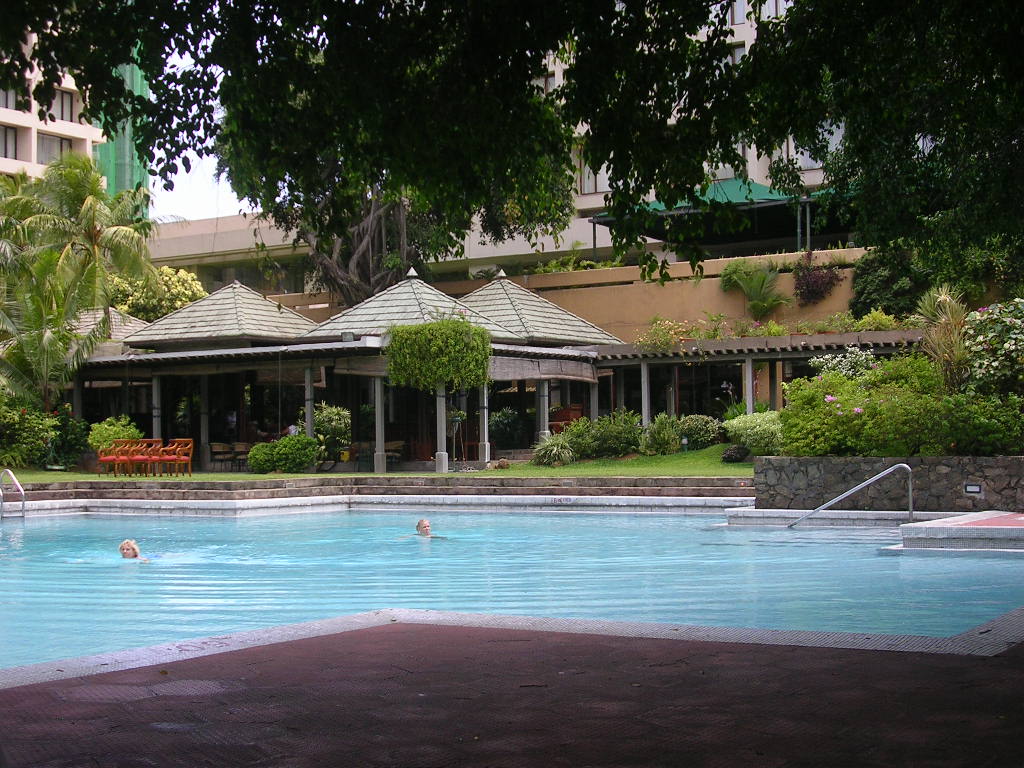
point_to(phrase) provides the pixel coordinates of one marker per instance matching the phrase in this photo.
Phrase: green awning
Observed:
(735, 191)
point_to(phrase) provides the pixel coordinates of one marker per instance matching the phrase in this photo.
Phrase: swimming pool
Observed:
(65, 591)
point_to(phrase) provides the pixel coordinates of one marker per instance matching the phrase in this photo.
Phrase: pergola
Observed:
(226, 345)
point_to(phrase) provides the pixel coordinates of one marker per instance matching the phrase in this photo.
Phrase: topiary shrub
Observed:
(735, 453)
(451, 352)
(102, 434)
(553, 451)
(661, 436)
(701, 431)
(760, 432)
(261, 458)
(295, 453)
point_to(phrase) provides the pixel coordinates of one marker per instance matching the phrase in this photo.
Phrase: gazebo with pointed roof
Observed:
(232, 315)
(533, 317)
(410, 302)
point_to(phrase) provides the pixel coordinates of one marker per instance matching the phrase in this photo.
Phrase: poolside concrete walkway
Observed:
(431, 695)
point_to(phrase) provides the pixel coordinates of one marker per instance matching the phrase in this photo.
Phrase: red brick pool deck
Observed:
(427, 695)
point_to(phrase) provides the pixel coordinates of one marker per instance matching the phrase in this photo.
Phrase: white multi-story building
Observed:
(28, 143)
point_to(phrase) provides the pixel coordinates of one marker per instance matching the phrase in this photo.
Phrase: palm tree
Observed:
(44, 346)
(96, 235)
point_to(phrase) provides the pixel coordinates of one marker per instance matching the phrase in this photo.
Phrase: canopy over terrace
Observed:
(239, 339)
(769, 218)
(666, 381)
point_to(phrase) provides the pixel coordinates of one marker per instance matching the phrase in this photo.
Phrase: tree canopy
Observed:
(439, 103)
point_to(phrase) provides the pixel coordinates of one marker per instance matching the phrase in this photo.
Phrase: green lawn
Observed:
(703, 463)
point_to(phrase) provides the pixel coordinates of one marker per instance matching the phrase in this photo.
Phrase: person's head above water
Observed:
(129, 548)
(423, 527)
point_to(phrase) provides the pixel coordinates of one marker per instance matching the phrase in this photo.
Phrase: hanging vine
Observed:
(450, 351)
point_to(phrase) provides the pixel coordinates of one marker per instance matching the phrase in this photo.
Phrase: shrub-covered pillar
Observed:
(484, 450)
(441, 457)
(380, 459)
(204, 421)
(157, 413)
(645, 392)
(748, 383)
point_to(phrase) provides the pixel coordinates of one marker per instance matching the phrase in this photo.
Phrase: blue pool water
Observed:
(65, 591)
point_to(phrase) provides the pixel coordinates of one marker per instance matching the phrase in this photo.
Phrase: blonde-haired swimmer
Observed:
(130, 550)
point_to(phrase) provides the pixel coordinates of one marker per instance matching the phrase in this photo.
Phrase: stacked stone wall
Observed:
(940, 482)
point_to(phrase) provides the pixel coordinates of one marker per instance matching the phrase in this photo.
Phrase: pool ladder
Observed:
(865, 484)
(8, 473)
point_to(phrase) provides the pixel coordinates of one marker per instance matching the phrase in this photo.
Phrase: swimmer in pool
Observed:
(130, 550)
(423, 529)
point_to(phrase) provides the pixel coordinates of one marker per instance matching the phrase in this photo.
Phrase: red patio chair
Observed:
(144, 456)
(176, 456)
(112, 458)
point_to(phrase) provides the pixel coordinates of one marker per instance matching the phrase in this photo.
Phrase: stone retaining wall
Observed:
(804, 482)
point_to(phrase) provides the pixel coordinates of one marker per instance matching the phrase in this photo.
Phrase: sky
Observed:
(196, 195)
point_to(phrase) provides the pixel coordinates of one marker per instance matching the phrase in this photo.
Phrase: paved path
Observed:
(426, 695)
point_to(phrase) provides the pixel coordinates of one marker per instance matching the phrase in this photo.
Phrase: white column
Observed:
(542, 410)
(156, 407)
(594, 401)
(204, 421)
(380, 459)
(308, 410)
(748, 383)
(484, 451)
(645, 392)
(441, 457)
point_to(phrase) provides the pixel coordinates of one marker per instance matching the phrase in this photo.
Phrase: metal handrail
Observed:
(869, 481)
(10, 474)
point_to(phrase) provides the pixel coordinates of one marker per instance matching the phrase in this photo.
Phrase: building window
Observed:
(588, 182)
(8, 142)
(736, 53)
(549, 82)
(775, 9)
(738, 12)
(64, 106)
(7, 99)
(49, 148)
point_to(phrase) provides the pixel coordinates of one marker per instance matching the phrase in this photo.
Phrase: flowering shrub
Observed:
(700, 430)
(735, 453)
(896, 408)
(760, 432)
(853, 362)
(662, 336)
(994, 336)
